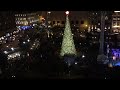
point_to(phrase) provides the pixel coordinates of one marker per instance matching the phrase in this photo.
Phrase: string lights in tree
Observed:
(68, 47)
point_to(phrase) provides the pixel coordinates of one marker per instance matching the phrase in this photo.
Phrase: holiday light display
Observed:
(68, 47)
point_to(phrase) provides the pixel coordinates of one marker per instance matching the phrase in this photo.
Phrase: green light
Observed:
(68, 46)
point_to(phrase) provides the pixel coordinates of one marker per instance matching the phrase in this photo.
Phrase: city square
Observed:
(60, 45)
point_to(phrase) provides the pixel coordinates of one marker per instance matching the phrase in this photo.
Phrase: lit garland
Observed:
(68, 46)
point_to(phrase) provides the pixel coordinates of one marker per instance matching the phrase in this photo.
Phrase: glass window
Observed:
(77, 22)
(118, 23)
(63, 22)
(114, 18)
(82, 22)
(114, 23)
(106, 18)
(53, 22)
(72, 22)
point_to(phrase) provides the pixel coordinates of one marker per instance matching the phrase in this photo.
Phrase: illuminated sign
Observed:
(116, 53)
(25, 27)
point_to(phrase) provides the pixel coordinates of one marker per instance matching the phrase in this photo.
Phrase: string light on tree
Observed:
(68, 46)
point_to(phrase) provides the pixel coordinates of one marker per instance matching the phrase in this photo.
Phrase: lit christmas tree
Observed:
(68, 47)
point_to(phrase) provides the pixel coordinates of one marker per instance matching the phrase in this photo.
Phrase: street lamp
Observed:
(116, 11)
(5, 52)
(23, 42)
(83, 56)
(75, 62)
(49, 12)
(47, 19)
(12, 49)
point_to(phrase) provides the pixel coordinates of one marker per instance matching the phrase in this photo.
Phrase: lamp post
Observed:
(102, 32)
(101, 57)
(48, 18)
(47, 24)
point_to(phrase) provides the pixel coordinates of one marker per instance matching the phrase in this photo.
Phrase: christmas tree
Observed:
(68, 47)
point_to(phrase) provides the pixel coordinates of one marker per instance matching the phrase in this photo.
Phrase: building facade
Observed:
(94, 18)
(57, 18)
(7, 21)
(116, 22)
(95, 21)
(26, 19)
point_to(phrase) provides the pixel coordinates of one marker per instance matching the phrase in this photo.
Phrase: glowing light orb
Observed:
(114, 58)
(67, 12)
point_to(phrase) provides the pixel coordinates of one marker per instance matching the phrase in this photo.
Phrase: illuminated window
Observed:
(98, 23)
(92, 27)
(95, 27)
(108, 27)
(114, 18)
(18, 22)
(20, 18)
(118, 23)
(106, 18)
(114, 23)
(49, 22)
(26, 23)
(118, 18)
(24, 18)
